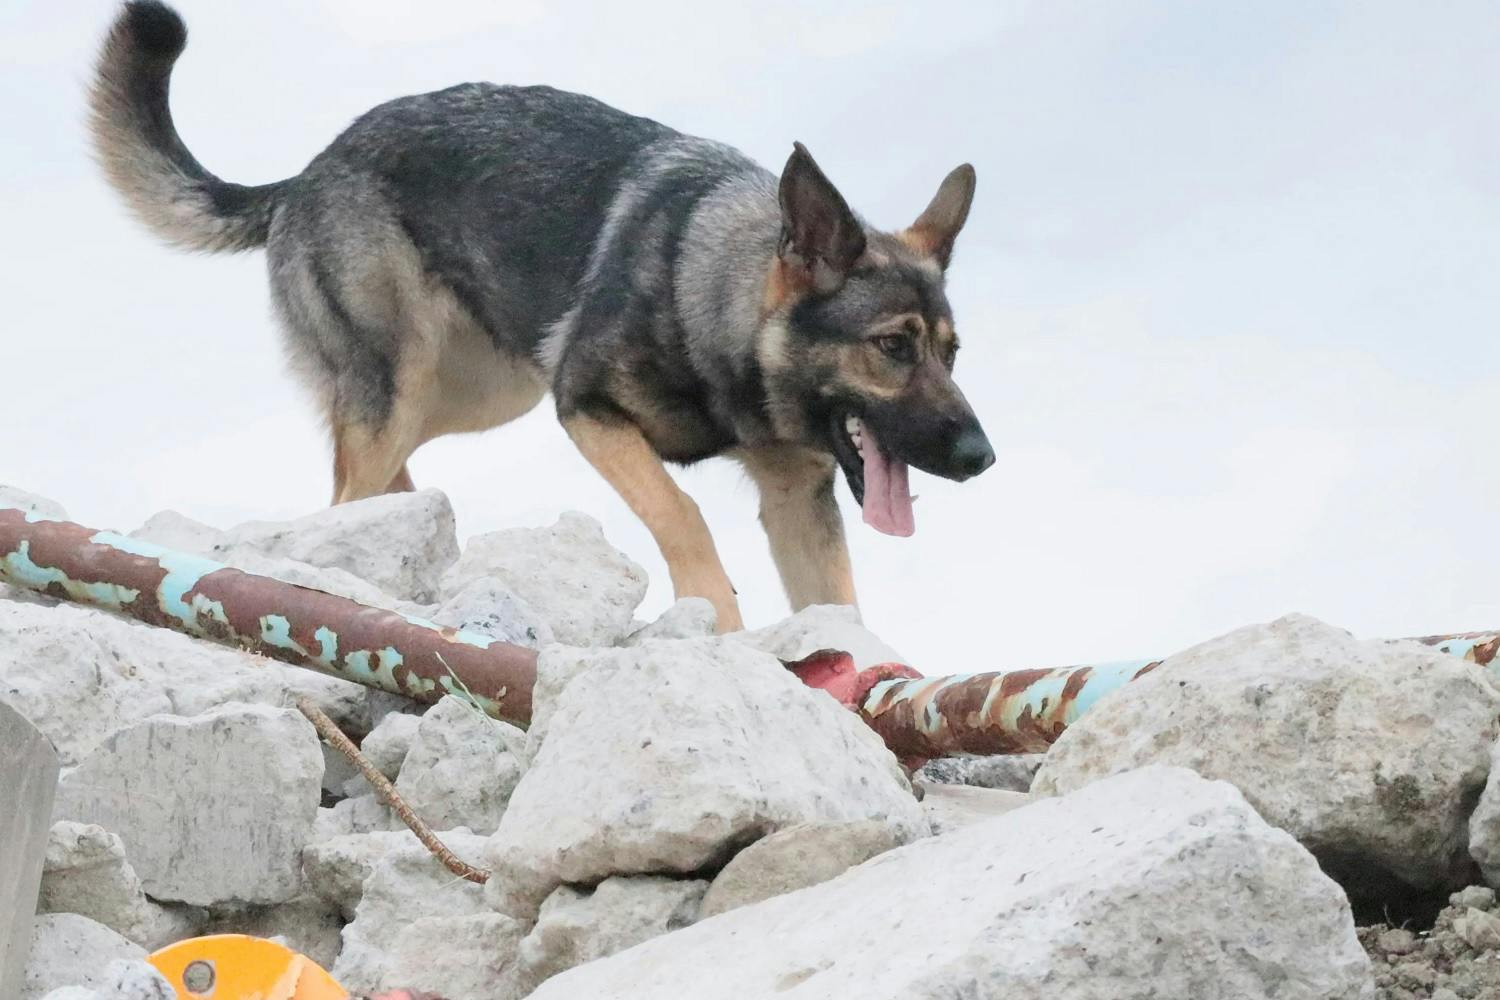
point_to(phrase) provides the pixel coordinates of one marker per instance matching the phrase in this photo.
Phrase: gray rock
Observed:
(345, 702)
(1479, 929)
(1397, 941)
(336, 868)
(1477, 897)
(689, 618)
(400, 542)
(1009, 772)
(471, 957)
(795, 858)
(338, 771)
(356, 814)
(1484, 823)
(1154, 883)
(307, 924)
(28, 779)
(86, 872)
(1369, 753)
(489, 607)
(951, 807)
(172, 530)
(80, 674)
(56, 671)
(567, 573)
(460, 770)
(578, 925)
(31, 503)
(665, 758)
(211, 809)
(122, 979)
(329, 579)
(821, 626)
(387, 744)
(70, 950)
(393, 930)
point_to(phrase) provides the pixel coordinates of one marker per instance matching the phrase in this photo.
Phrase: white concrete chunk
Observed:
(460, 769)
(668, 757)
(211, 809)
(70, 950)
(409, 905)
(87, 873)
(1155, 883)
(489, 607)
(400, 542)
(821, 626)
(567, 573)
(795, 858)
(28, 779)
(1371, 753)
(578, 925)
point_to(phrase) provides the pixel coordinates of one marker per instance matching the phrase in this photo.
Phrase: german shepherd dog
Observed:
(453, 256)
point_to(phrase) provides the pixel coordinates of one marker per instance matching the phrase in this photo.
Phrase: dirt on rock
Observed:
(1457, 959)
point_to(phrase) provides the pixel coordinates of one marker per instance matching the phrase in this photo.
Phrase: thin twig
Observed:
(387, 793)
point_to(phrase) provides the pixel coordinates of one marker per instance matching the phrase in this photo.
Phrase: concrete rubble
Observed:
(1370, 753)
(684, 818)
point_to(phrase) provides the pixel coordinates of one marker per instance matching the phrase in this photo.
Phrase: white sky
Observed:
(1228, 293)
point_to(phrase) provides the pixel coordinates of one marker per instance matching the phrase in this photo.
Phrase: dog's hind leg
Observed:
(623, 456)
(802, 522)
(402, 483)
(369, 461)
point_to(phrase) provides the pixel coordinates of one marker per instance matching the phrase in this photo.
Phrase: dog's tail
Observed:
(141, 153)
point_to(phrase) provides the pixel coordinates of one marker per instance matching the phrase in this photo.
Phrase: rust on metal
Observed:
(1018, 711)
(1025, 711)
(1476, 647)
(297, 625)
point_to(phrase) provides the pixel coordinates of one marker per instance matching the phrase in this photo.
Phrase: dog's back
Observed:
(418, 263)
(501, 190)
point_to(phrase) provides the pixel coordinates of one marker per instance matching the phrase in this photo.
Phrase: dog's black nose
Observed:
(972, 453)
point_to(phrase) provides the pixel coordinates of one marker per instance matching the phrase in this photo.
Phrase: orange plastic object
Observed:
(240, 967)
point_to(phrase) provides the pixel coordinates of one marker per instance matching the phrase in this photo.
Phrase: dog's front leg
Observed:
(626, 459)
(802, 522)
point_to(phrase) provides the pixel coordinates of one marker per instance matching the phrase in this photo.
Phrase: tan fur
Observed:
(451, 378)
(622, 455)
(784, 286)
(923, 242)
(802, 522)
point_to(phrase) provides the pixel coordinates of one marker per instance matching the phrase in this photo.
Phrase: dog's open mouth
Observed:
(878, 480)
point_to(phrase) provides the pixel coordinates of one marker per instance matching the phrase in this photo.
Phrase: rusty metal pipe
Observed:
(297, 625)
(1025, 711)
(1017, 711)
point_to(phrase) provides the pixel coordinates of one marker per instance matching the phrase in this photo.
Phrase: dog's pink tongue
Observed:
(887, 491)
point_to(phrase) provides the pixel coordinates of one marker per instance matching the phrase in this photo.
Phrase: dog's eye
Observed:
(950, 355)
(897, 346)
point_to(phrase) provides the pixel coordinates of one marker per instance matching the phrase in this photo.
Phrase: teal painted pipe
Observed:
(298, 625)
(1019, 711)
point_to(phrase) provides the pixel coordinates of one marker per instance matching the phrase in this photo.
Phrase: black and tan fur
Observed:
(452, 257)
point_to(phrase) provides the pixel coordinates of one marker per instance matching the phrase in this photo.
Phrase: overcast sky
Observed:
(1228, 293)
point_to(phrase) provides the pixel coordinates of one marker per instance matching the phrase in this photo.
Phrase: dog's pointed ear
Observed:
(820, 237)
(937, 227)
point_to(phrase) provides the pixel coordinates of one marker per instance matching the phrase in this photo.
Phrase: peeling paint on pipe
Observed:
(1019, 711)
(297, 625)
(1025, 711)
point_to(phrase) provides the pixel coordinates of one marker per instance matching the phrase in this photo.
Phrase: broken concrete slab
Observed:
(27, 783)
